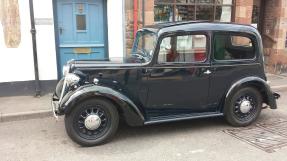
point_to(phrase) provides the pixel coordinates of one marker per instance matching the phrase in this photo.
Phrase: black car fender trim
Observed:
(131, 112)
(260, 84)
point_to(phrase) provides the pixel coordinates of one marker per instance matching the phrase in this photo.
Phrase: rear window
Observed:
(233, 47)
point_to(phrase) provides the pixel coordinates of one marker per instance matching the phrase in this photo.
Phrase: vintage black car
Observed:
(176, 71)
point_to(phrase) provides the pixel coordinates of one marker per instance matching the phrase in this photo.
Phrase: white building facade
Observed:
(65, 29)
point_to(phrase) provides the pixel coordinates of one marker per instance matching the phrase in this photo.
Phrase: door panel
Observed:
(81, 30)
(179, 81)
(175, 90)
(66, 23)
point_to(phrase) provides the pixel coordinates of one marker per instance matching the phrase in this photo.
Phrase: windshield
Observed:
(144, 45)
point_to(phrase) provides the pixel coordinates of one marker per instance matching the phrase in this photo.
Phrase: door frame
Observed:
(57, 36)
(202, 64)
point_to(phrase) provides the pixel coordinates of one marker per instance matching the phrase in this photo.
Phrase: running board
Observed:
(163, 119)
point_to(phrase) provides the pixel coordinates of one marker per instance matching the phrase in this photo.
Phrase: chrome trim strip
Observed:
(182, 118)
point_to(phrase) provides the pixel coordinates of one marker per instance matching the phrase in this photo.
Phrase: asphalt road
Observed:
(194, 140)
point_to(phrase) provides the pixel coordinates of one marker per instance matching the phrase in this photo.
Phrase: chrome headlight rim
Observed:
(72, 79)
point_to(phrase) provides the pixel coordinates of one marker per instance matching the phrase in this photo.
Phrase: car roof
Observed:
(201, 26)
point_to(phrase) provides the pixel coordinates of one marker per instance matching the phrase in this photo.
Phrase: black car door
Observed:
(178, 81)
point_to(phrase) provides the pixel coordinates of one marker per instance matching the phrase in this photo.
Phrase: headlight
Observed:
(66, 69)
(72, 79)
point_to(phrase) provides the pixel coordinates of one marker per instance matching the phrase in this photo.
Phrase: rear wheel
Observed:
(92, 122)
(243, 107)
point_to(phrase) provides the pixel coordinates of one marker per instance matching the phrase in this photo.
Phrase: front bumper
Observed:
(55, 106)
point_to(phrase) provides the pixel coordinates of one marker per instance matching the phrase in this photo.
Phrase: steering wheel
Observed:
(140, 54)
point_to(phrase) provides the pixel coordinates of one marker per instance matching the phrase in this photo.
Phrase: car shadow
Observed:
(136, 139)
(170, 128)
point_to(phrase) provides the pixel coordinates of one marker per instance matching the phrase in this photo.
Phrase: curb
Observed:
(279, 88)
(25, 115)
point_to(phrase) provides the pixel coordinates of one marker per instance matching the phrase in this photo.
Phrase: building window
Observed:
(187, 10)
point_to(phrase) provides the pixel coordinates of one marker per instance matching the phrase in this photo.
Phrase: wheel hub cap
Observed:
(92, 122)
(245, 106)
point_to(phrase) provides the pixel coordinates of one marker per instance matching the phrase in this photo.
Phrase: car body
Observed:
(177, 71)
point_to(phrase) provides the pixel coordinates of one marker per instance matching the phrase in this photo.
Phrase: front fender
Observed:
(131, 112)
(260, 84)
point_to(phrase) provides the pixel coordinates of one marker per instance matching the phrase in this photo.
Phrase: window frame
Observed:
(185, 33)
(195, 4)
(252, 37)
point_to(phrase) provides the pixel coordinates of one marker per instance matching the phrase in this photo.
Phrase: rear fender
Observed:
(258, 83)
(131, 112)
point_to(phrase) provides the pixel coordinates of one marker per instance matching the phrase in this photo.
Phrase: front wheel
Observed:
(243, 107)
(92, 122)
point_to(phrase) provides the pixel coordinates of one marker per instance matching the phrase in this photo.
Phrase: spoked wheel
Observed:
(92, 122)
(243, 107)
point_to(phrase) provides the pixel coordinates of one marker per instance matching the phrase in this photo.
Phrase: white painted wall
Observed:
(47, 60)
(17, 64)
(116, 28)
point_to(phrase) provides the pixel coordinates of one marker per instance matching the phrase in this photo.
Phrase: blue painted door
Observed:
(81, 30)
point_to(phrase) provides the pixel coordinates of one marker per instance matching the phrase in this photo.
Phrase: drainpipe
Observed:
(135, 17)
(143, 12)
(33, 32)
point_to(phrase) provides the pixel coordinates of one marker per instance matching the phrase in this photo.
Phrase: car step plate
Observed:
(267, 136)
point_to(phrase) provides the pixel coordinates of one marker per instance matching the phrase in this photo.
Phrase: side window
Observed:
(187, 48)
(233, 47)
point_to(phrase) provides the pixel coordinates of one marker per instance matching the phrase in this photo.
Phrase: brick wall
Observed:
(129, 24)
(148, 19)
(274, 35)
(243, 11)
(274, 30)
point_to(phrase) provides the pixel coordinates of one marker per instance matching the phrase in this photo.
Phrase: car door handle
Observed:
(207, 72)
(146, 71)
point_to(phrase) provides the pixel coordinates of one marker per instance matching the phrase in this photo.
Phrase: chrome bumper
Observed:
(55, 107)
(56, 101)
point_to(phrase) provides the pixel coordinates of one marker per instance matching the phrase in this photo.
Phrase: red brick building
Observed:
(269, 16)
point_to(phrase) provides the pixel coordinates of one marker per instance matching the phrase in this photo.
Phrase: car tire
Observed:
(92, 122)
(243, 107)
